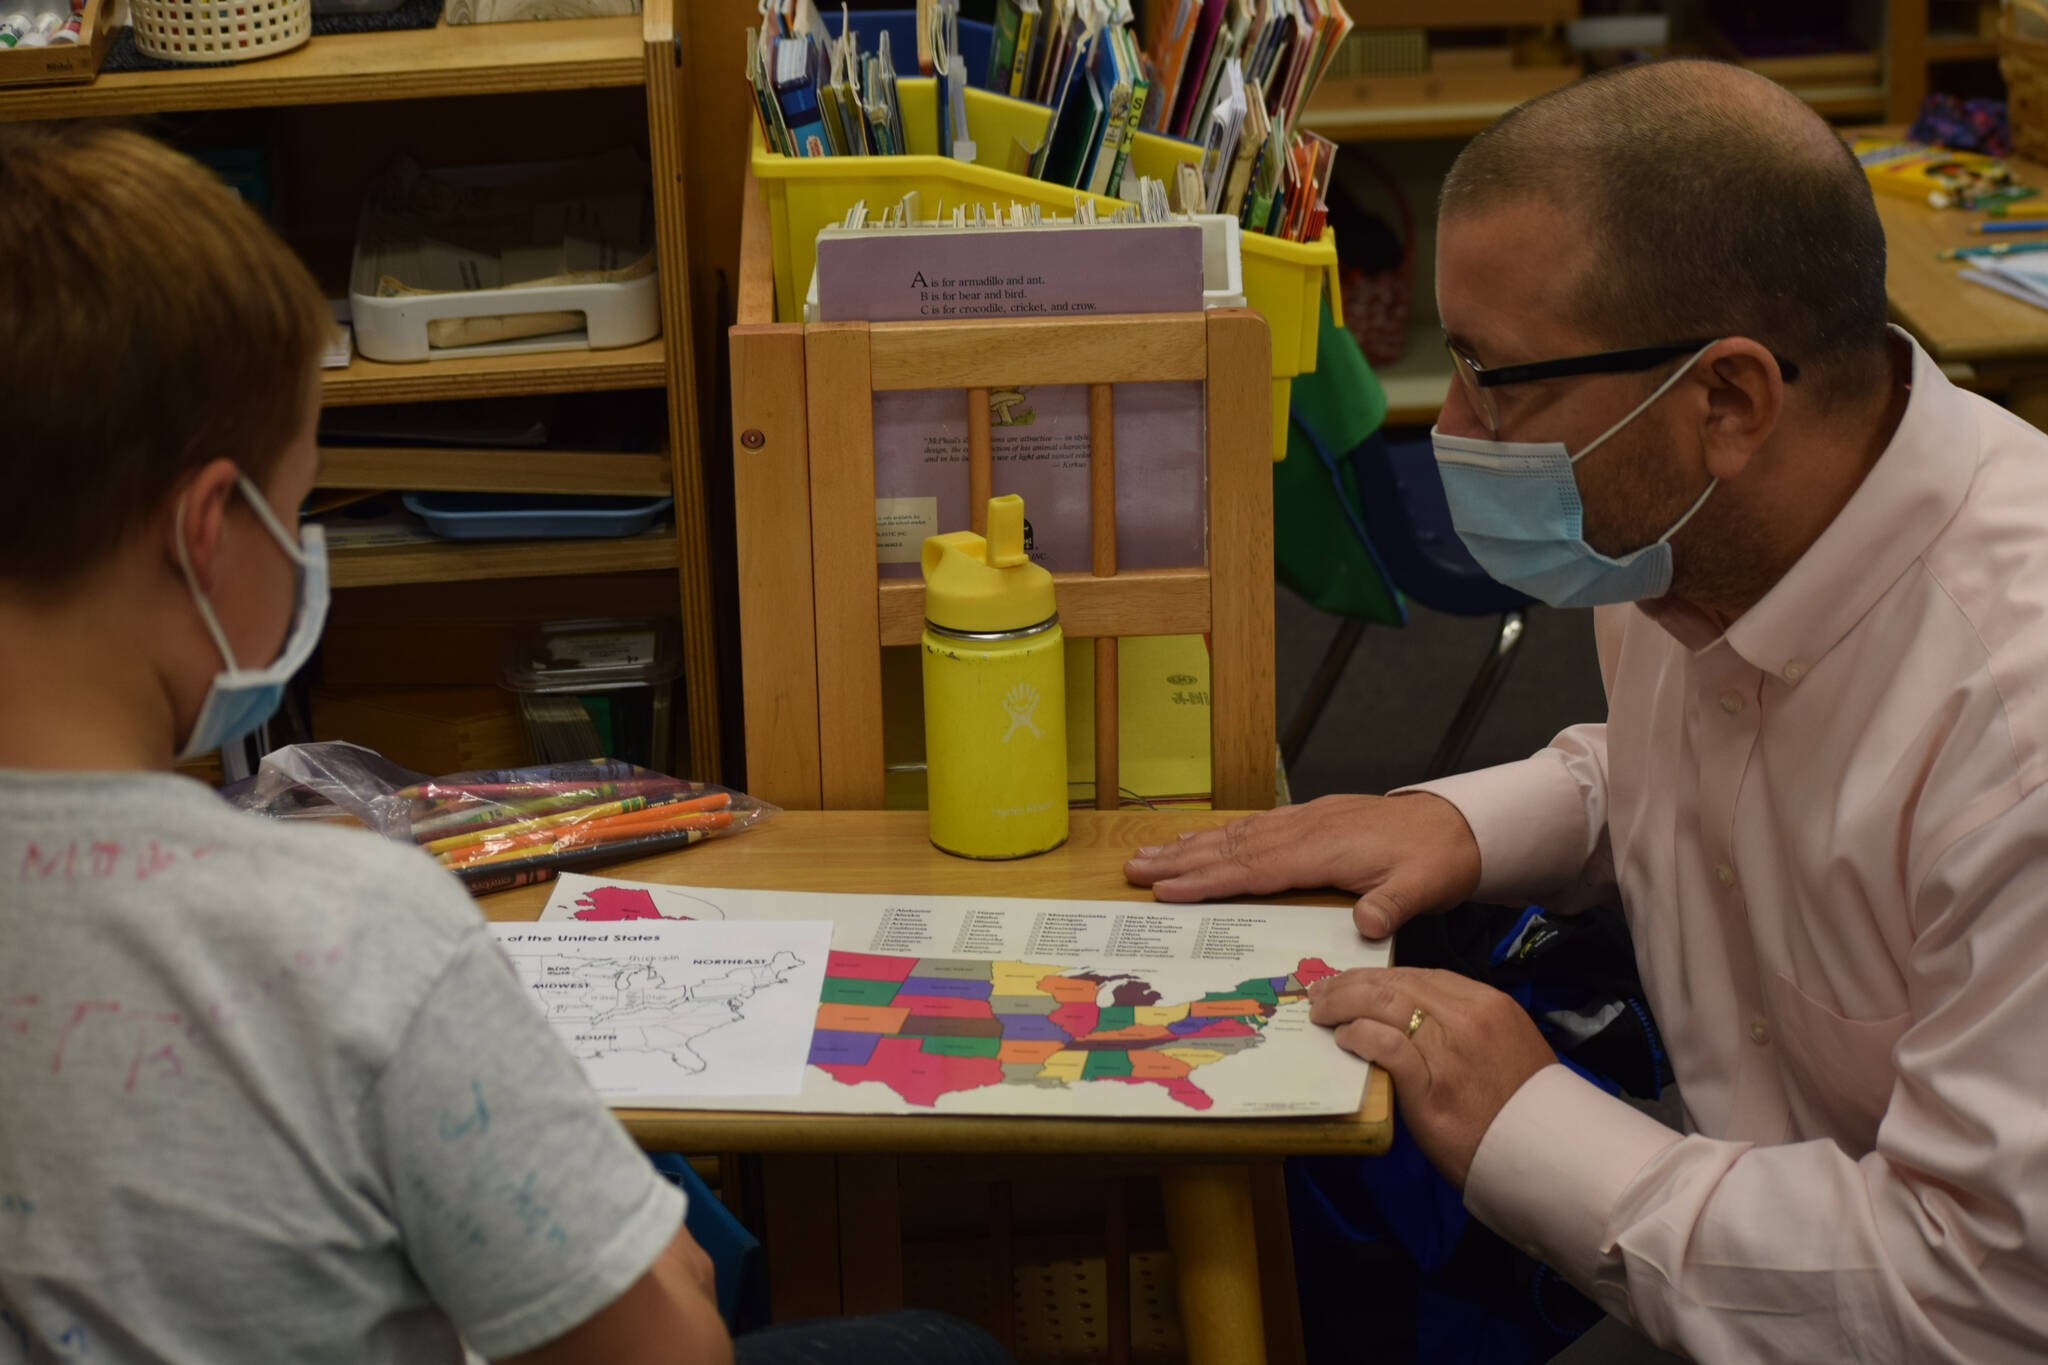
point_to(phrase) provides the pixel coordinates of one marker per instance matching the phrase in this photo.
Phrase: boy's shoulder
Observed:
(173, 840)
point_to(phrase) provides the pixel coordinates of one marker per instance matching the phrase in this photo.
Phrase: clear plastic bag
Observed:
(505, 828)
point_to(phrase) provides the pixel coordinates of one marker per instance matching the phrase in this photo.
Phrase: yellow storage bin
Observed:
(1282, 280)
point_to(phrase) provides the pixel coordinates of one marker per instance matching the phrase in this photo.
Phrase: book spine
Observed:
(799, 104)
(1020, 63)
(1141, 89)
(1002, 48)
(1102, 164)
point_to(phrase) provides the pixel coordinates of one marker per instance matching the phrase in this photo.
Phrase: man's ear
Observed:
(198, 513)
(1745, 396)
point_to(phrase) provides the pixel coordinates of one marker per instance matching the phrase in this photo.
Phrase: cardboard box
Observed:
(67, 63)
(433, 730)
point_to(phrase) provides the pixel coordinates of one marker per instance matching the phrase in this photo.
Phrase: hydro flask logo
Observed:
(1021, 702)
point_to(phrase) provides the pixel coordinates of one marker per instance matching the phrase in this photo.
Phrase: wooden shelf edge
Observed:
(1853, 101)
(1416, 384)
(466, 561)
(605, 473)
(347, 68)
(644, 366)
(1135, 602)
(1960, 48)
(1416, 122)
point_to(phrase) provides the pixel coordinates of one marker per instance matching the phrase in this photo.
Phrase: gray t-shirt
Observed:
(269, 1093)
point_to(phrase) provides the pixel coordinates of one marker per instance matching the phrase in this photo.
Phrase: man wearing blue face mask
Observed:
(1821, 575)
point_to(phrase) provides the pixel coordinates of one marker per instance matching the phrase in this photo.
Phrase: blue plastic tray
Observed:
(532, 516)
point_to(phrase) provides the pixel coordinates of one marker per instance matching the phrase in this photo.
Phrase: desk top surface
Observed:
(1953, 319)
(881, 851)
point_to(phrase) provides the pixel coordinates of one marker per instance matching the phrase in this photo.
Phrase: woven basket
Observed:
(220, 30)
(2023, 62)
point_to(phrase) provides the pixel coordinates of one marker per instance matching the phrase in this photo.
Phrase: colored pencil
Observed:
(483, 880)
(614, 828)
(472, 816)
(541, 827)
(631, 786)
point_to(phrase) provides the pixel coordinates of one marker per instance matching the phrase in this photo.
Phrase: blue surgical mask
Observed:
(1516, 506)
(241, 699)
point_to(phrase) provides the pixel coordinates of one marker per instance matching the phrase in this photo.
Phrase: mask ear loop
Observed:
(261, 507)
(1639, 408)
(220, 639)
(1699, 502)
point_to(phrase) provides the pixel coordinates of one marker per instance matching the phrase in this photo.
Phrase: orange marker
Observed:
(629, 826)
(503, 834)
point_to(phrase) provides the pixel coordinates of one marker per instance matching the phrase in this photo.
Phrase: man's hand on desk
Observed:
(1402, 856)
(1463, 1061)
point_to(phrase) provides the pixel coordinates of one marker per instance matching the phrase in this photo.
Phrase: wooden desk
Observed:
(2003, 341)
(1210, 1227)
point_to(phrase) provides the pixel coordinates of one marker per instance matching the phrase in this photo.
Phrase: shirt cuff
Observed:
(1529, 819)
(1552, 1167)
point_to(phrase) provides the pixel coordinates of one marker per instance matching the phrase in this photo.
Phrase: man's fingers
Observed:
(1149, 865)
(1384, 1045)
(1385, 908)
(1391, 994)
(1229, 861)
(1362, 993)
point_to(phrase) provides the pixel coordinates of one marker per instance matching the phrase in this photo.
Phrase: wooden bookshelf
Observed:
(346, 68)
(498, 376)
(455, 561)
(640, 52)
(582, 472)
(1959, 47)
(1414, 122)
(1430, 105)
(1844, 102)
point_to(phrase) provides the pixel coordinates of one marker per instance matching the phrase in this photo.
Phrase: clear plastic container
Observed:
(598, 686)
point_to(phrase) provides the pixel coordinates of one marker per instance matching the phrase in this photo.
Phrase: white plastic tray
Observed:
(395, 329)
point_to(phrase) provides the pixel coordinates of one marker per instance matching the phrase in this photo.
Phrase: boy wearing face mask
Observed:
(270, 1092)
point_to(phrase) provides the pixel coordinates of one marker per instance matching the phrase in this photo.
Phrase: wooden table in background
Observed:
(1216, 1243)
(2003, 341)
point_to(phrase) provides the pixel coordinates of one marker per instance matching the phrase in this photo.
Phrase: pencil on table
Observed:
(617, 828)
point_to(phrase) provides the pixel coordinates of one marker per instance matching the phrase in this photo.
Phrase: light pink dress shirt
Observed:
(1829, 829)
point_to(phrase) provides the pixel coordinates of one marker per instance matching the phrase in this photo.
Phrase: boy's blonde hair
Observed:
(149, 323)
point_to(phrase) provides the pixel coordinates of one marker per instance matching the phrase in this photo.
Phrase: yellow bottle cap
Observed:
(985, 586)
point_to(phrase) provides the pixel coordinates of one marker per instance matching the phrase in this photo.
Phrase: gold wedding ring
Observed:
(1414, 1023)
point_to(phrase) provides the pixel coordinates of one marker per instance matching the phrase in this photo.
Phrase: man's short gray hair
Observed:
(1718, 203)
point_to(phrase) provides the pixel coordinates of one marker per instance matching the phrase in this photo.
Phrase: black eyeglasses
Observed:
(1477, 378)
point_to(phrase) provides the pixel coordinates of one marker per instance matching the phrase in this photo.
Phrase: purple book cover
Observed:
(1039, 438)
(1039, 435)
(870, 275)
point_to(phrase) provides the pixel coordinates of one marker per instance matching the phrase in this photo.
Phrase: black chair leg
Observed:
(1479, 696)
(1295, 737)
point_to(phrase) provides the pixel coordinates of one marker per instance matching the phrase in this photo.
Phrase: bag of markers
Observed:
(505, 828)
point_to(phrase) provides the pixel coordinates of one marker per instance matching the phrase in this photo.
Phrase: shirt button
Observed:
(1726, 874)
(1759, 1031)
(1731, 702)
(1795, 670)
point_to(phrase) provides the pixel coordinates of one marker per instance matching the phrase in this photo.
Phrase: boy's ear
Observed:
(198, 511)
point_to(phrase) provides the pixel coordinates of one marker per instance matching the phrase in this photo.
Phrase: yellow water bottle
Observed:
(995, 683)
